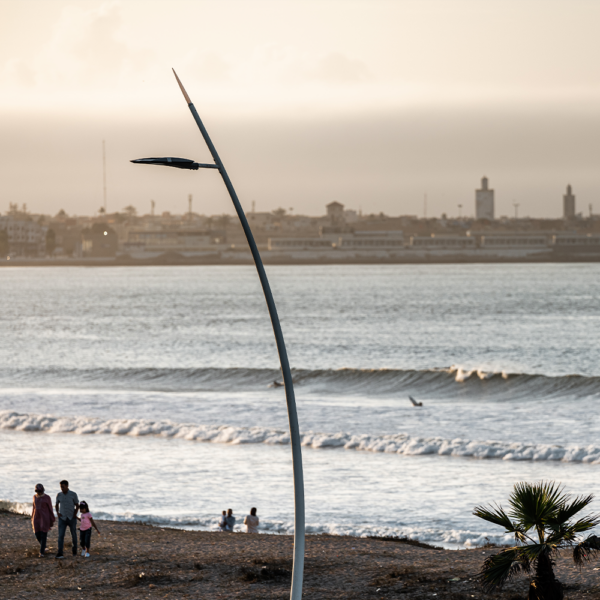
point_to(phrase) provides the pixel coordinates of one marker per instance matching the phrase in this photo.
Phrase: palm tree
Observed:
(540, 518)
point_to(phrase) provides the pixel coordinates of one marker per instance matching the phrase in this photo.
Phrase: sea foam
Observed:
(436, 536)
(226, 434)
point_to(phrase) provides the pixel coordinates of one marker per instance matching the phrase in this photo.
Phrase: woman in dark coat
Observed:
(42, 517)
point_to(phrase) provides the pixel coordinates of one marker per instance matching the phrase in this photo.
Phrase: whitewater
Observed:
(157, 384)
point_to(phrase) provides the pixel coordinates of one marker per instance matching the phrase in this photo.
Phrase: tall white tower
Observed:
(484, 201)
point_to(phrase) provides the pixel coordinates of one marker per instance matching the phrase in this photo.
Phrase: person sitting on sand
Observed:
(251, 521)
(85, 529)
(223, 521)
(229, 520)
(42, 517)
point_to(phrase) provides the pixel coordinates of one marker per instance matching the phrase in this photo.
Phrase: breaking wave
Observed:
(225, 434)
(447, 382)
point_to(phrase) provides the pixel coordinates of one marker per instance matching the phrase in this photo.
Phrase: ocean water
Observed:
(149, 389)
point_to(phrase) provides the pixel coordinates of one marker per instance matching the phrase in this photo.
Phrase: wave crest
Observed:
(226, 434)
(448, 382)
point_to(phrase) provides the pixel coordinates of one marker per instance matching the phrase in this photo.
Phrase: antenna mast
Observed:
(104, 171)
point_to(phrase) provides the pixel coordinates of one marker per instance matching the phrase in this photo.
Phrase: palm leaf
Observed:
(569, 532)
(499, 568)
(496, 515)
(533, 551)
(567, 511)
(586, 550)
(534, 504)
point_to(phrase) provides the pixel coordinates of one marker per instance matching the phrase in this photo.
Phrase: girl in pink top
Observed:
(85, 529)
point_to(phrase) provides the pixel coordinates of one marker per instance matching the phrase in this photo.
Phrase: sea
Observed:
(150, 389)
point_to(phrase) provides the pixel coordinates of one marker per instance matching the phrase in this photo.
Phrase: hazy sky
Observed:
(371, 103)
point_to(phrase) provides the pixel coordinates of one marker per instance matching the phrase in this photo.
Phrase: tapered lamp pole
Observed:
(298, 568)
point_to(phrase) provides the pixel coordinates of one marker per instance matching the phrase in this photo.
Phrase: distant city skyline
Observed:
(393, 102)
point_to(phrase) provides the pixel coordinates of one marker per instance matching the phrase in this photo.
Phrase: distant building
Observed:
(262, 220)
(505, 241)
(335, 212)
(300, 243)
(351, 216)
(442, 242)
(576, 241)
(173, 240)
(99, 241)
(25, 236)
(372, 240)
(569, 204)
(484, 201)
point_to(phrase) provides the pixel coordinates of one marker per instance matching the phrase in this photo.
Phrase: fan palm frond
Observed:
(499, 568)
(569, 532)
(496, 515)
(544, 508)
(568, 511)
(533, 504)
(586, 550)
(533, 551)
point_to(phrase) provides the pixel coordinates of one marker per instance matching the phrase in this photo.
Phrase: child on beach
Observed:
(223, 521)
(85, 529)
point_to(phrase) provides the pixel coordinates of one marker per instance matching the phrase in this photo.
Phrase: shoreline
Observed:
(246, 259)
(133, 560)
(24, 509)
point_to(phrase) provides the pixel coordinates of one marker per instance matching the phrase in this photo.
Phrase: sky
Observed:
(373, 104)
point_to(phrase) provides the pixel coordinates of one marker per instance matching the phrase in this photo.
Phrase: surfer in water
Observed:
(276, 384)
(414, 402)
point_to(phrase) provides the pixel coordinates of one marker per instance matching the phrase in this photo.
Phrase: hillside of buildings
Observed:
(339, 235)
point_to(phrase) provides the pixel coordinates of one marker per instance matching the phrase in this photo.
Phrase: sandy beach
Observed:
(131, 560)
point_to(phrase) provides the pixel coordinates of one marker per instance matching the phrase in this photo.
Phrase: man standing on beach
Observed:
(67, 506)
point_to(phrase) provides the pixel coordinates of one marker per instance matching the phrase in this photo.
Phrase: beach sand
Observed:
(131, 560)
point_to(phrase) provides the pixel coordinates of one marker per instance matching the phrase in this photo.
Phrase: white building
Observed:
(351, 216)
(577, 241)
(301, 243)
(372, 240)
(484, 201)
(507, 241)
(25, 236)
(442, 242)
(174, 240)
(261, 220)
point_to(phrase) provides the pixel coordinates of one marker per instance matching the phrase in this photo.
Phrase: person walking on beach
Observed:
(85, 528)
(42, 517)
(251, 521)
(229, 520)
(67, 505)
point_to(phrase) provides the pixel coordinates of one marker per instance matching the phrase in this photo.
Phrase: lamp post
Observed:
(184, 163)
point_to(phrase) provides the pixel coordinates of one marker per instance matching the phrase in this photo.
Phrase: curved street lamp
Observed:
(185, 163)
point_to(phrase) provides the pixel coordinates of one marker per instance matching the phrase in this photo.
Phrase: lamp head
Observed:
(169, 161)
